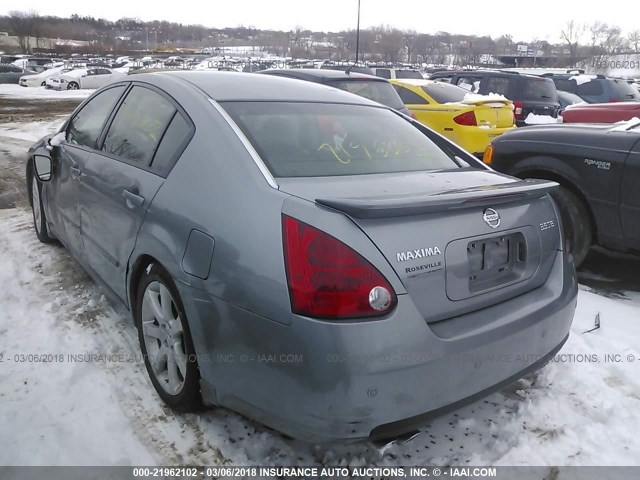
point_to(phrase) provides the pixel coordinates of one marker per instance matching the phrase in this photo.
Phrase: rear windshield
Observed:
(319, 139)
(625, 91)
(408, 74)
(445, 92)
(539, 89)
(378, 91)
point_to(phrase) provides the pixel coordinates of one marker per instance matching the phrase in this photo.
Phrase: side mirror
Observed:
(43, 166)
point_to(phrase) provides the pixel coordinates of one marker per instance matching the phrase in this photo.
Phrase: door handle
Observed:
(75, 171)
(132, 198)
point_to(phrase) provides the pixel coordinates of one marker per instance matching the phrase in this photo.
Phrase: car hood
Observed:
(579, 135)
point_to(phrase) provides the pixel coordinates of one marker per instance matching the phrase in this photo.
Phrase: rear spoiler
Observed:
(403, 205)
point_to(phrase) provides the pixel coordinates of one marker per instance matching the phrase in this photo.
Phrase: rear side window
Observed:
(408, 97)
(471, 84)
(383, 72)
(319, 139)
(378, 91)
(139, 125)
(539, 89)
(408, 74)
(445, 93)
(590, 88)
(85, 128)
(172, 143)
(499, 85)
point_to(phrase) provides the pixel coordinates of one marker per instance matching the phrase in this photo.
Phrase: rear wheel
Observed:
(165, 341)
(578, 231)
(73, 86)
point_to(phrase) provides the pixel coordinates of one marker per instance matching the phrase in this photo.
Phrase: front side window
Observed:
(318, 139)
(85, 128)
(139, 125)
(383, 72)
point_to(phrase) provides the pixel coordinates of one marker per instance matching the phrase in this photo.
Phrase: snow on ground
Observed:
(45, 400)
(100, 408)
(30, 132)
(16, 91)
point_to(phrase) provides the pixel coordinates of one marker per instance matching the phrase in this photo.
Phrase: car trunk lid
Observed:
(492, 113)
(458, 240)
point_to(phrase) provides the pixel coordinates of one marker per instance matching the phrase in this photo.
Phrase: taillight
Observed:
(468, 118)
(328, 279)
(517, 110)
(487, 157)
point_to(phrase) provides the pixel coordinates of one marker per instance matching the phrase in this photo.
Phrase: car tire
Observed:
(39, 218)
(165, 341)
(576, 221)
(73, 86)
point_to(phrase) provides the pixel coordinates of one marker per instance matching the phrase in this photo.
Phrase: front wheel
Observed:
(165, 341)
(576, 222)
(39, 218)
(73, 86)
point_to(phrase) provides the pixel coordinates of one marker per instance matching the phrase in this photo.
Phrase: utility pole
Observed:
(358, 34)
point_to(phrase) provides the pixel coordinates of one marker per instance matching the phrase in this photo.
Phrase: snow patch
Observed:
(533, 119)
(626, 126)
(580, 79)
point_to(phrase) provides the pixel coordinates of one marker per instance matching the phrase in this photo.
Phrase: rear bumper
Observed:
(324, 382)
(476, 139)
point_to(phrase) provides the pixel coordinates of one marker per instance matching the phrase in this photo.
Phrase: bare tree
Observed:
(410, 40)
(634, 40)
(36, 26)
(389, 42)
(20, 23)
(572, 34)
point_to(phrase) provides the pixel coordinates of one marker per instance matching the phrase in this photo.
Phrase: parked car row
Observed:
(530, 96)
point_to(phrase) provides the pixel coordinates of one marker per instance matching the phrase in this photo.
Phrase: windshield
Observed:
(625, 91)
(318, 139)
(376, 90)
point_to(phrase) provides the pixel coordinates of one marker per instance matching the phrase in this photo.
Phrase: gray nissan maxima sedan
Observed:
(301, 255)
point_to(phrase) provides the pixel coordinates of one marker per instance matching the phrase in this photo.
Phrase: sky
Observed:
(524, 20)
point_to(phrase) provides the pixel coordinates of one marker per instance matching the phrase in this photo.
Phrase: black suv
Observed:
(596, 88)
(529, 93)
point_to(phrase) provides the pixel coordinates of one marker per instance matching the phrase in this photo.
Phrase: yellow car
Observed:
(468, 119)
